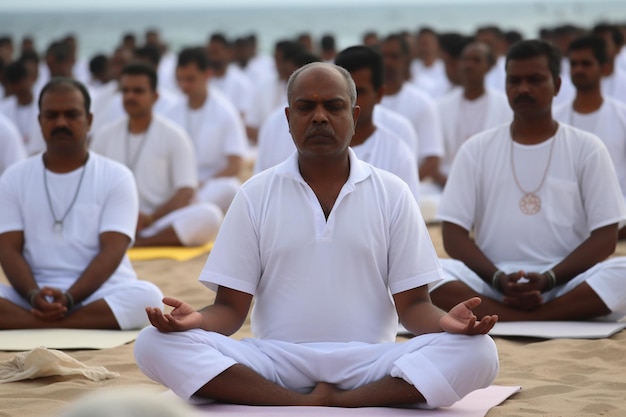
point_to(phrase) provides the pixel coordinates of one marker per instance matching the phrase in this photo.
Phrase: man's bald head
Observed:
(350, 87)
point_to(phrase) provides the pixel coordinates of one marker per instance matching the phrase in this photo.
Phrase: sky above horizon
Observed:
(46, 5)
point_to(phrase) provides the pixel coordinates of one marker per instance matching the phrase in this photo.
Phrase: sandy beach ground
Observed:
(558, 377)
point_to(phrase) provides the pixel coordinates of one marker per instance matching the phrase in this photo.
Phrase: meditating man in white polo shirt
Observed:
(333, 251)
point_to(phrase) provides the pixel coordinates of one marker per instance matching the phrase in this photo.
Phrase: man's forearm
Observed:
(99, 270)
(596, 248)
(18, 272)
(182, 198)
(460, 246)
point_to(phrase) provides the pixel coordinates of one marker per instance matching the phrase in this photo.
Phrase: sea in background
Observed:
(101, 31)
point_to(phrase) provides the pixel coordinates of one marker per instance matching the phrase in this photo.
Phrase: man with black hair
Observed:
(214, 126)
(614, 80)
(227, 78)
(60, 60)
(328, 48)
(21, 107)
(406, 99)
(162, 158)
(428, 70)
(67, 217)
(531, 209)
(270, 92)
(452, 45)
(493, 36)
(323, 225)
(99, 69)
(593, 111)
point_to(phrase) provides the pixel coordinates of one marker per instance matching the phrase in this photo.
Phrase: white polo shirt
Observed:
(11, 147)
(314, 277)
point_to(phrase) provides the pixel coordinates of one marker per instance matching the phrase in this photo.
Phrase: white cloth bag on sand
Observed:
(42, 362)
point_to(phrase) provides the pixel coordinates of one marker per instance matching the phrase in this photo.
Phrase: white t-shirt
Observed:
(27, 123)
(235, 86)
(274, 142)
(496, 77)
(398, 124)
(11, 146)
(162, 162)
(609, 124)
(385, 150)
(268, 94)
(216, 130)
(464, 118)
(421, 110)
(614, 85)
(580, 194)
(432, 80)
(317, 279)
(106, 202)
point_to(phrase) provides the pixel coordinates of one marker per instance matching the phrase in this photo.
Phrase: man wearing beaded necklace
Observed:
(65, 257)
(531, 210)
(162, 158)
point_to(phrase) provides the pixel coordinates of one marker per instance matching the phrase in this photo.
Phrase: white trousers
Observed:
(606, 278)
(194, 225)
(219, 191)
(127, 300)
(443, 367)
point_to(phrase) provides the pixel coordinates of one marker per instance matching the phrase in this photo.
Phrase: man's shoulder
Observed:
(167, 129)
(20, 168)
(103, 164)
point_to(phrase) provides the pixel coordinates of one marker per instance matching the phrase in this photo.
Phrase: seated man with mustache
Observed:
(67, 216)
(531, 210)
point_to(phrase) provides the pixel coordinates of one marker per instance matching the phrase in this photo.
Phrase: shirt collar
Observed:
(359, 170)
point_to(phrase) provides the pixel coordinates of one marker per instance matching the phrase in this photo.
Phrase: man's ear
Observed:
(557, 85)
(356, 111)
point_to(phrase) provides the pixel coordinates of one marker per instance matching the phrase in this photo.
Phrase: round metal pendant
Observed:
(57, 227)
(530, 204)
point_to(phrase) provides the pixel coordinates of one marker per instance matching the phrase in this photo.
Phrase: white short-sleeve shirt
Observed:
(609, 124)
(422, 112)
(216, 130)
(106, 202)
(163, 159)
(11, 146)
(579, 195)
(386, 150)
(313, 277)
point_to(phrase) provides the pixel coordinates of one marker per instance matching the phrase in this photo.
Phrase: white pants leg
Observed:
(219, 191)
(607, 279)
(194, 225)
(127, 300)
(443, 367)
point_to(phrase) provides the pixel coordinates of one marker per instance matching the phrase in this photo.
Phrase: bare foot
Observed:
(325, 394)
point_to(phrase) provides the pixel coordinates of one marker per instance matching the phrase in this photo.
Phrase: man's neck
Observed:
(588, 101)
(531, 132)
(610, 68)
(25, 99)
(324, 170)
(393, 88)
(362, 132)
(197, 100)
(63, 163)
(428, 61)
(472, 92)
(139, 124)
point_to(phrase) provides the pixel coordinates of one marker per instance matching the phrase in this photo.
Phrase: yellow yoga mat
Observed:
(176, 253)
